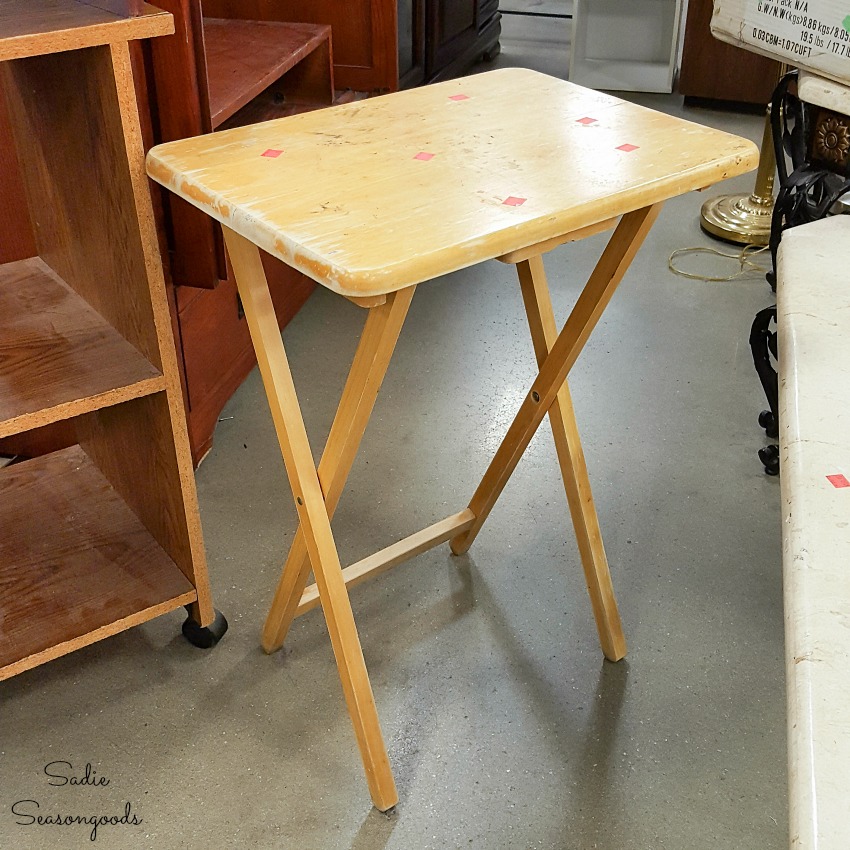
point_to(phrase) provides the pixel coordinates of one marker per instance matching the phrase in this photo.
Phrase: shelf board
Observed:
(622, 74)
(76, 564)
(37, 27)
(245, 57)
(58, 357)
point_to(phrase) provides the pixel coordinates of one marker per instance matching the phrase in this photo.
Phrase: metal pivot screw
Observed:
(535, 396)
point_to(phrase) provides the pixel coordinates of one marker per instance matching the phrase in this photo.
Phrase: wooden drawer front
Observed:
(215, 341)
(217, 349)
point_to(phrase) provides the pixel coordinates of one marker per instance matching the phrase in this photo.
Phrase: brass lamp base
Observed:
(745, 219)
(742, 219)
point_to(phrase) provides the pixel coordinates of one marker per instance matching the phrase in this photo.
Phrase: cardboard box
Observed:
(809, 34)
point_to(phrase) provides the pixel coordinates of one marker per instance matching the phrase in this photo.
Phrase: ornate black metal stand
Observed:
(815, 141)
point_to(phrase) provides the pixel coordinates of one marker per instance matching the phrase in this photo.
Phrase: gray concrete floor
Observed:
(505, 727)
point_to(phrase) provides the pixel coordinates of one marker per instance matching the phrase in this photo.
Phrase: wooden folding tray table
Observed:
(371, 199)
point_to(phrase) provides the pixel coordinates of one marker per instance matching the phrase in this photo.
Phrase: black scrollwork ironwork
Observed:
(812, 159)
(812, 147)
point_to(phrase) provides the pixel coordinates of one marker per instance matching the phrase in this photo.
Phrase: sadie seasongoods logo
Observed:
(61, 774)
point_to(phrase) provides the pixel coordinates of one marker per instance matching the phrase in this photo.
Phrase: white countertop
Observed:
(814, 395)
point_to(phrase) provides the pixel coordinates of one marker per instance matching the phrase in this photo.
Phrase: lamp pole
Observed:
(745, 219)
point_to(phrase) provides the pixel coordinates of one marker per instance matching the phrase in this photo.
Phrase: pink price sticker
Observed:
(424, 156)
(586, 121)
(514, 202)
(272, 153)
(627, 148)
(838, 481)
(458, 97)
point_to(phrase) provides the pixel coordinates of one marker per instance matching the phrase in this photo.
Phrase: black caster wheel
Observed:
(205, 637)
(768, 421)
(769, 456)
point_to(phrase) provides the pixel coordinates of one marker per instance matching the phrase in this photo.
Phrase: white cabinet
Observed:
(625, 45)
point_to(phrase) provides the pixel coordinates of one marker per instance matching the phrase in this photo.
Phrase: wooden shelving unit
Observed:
(106, 534)
(625, 45)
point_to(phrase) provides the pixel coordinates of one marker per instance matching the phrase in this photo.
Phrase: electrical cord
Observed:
(743, 258)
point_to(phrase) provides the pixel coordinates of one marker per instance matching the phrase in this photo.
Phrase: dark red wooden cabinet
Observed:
(221, 70)
(438, 39)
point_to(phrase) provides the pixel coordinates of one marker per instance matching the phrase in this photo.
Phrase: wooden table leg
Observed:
(313, 515)
(541, 321)
(368, 368)
(603, 282)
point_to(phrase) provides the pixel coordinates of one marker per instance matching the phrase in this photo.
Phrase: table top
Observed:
(813, 303)
(373, 196)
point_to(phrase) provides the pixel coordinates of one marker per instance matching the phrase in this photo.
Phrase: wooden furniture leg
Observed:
(541, 321)
(313, 515)
(606, 276)
(377, 343)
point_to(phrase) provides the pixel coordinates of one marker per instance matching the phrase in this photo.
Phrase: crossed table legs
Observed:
(317, 491)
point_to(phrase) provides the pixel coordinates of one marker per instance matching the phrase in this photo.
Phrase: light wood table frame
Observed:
(359, 186)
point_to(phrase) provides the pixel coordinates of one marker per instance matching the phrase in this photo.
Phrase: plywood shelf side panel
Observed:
(76, 564)
(58, 357)
(167, 503)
